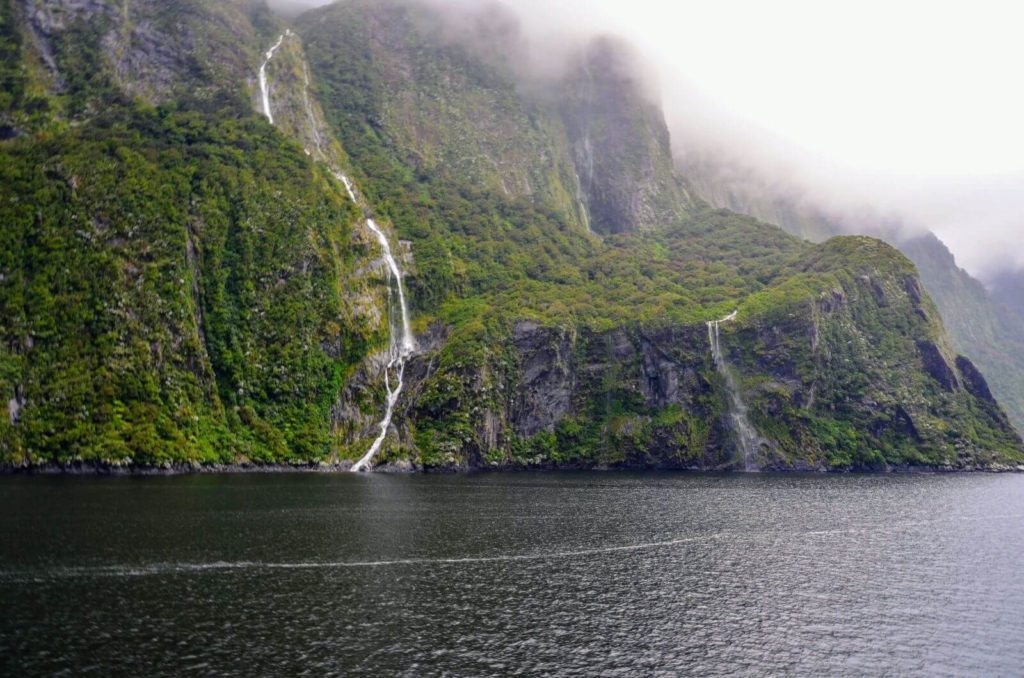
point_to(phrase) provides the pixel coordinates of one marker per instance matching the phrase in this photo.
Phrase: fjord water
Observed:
(566, 573)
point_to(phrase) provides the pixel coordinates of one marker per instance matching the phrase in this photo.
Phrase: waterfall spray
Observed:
(747, 438)
(582, 206)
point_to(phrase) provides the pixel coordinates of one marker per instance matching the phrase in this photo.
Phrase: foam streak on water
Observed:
(156, 569)
(536, 573)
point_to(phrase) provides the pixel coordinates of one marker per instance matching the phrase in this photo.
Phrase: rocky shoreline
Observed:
(188, 468)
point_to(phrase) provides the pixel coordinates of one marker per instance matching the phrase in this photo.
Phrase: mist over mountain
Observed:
(985, 323)
(880, 129)
(732, 162)
(413, 235)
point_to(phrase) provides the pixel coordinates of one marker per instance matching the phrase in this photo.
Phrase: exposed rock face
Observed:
(547, 380)
(450, 97)
(851, 376)
(15, 404)
(973, 380)
(201, 289)
(620, 143)
(444, 91)
(987, 326)
(936, 366)
(151, 49)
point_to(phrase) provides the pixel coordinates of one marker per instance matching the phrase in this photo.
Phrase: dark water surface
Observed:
(618, 574)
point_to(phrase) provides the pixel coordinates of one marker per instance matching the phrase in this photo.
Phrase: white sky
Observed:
(910, 106)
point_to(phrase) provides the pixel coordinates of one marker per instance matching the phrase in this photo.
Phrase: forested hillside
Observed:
(184, 281)
(987, 326)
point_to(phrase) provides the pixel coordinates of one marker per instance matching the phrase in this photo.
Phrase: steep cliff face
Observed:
(980, 325)
(178, 283)
(445, 93)
(620, 143)
(843, 366)
(580, 360)
(590, 145)
(87, 54)
(186, 282)
(171, 289)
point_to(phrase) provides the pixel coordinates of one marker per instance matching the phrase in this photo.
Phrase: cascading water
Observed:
(747, 438)
(314, 128)
(584, 215)
(403, 344)
(264, 87)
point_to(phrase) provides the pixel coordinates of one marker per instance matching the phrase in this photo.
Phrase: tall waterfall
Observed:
(403, 344)
(264, 87)
(747, 438)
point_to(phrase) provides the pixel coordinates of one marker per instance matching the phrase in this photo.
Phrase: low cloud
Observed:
(907, 109)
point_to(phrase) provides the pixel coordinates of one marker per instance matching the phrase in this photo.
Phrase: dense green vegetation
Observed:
(171, 291)
(180, 281)
(979, 326)
(486, 262)
(475, 244)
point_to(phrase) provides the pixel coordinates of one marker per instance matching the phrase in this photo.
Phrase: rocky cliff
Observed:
(183, 281)
(178, 282)
(620, 143)
(444, 91)
(80, 56)
(981, 324)
(840, 369)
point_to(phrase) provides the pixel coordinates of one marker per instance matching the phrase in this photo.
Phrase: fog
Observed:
(912, 108)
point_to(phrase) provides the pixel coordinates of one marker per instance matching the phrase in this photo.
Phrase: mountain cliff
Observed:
(186, 279)
(985, 325)
(620, 143)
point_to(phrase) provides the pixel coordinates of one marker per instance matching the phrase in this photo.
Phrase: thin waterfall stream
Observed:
(264, 86)
(403, 344)
(747, 438)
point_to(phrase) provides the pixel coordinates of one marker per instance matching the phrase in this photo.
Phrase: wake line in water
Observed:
(156, 569)
(175, 568)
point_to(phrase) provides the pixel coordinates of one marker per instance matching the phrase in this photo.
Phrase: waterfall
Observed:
(580, 204)
(264, 87)
(403, 344)
(314, 128)
(747, 438)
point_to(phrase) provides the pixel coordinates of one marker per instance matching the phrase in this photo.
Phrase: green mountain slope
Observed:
(982, 326)
(171, 290)
(182, 281)
(541, 348)
(175, 280)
